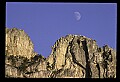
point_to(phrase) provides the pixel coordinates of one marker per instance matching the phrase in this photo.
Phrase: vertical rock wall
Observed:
(18, 43)
(72, 56)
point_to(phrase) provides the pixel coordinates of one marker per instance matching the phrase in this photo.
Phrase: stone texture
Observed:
(72, 56)
(18, 43)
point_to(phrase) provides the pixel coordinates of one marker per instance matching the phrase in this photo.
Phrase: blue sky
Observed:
(47, 22)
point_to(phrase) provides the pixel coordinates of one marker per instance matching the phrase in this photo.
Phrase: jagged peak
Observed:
(72, 56)
(19, 43)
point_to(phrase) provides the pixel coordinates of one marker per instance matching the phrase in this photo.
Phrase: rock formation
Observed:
(18, 43)
(72, 56)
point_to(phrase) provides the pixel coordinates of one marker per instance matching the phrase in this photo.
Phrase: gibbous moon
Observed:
(77, 15)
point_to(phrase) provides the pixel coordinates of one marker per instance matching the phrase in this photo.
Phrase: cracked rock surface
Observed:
(72, 56)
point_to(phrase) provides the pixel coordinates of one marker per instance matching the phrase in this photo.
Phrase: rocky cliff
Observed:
(18, 43)
(72, 56)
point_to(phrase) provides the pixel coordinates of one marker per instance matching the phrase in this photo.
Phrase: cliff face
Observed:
(18, 43)
(72, 56)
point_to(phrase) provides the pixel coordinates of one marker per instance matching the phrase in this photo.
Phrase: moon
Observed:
(77, 15)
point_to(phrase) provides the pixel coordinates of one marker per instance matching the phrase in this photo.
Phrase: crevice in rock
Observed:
(54, 59)
(98, 67)
(106, 59)
(66, 54)
(73, 57)
(88, 69)
(75, 61)
(78, 41)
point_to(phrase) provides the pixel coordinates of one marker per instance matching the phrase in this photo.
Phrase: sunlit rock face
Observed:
(82, 57)
(18, 43)
(72, 56)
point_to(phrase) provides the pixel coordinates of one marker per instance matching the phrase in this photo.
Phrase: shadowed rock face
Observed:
(72, 56)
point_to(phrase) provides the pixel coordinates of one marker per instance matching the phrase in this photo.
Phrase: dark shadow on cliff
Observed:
(73, 57)
(88, 69)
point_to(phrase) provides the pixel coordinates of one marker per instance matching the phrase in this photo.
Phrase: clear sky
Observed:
(47, 22)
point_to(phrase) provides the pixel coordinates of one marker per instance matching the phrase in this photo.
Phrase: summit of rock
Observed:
(18, 43)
